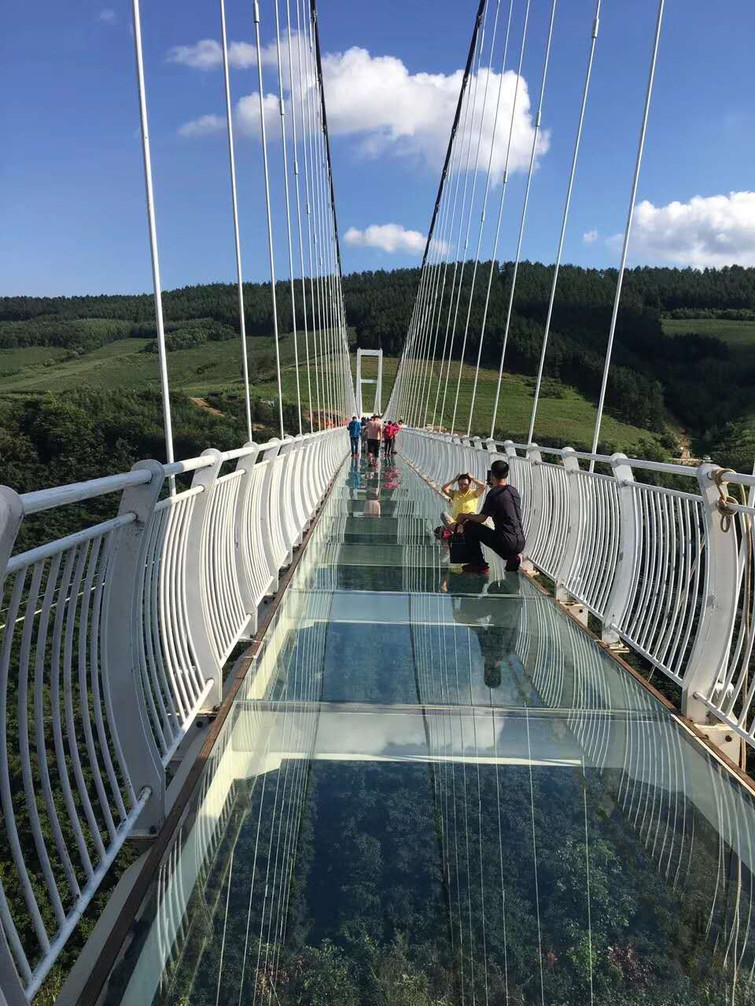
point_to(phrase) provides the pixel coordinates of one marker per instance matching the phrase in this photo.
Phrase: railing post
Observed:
(195, 578)
(291, 532)
(241, 535)
(537, 502)
(303, 503)
(121, 626)
(710, 651)
(626, 563)
(11, 988)
(571, 464)
(11, 516)
(269, 453)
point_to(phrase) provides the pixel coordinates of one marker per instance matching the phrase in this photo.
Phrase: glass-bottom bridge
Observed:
(435, 788)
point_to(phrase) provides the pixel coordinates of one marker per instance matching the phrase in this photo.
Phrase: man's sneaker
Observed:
(471, 568)
(512, 565)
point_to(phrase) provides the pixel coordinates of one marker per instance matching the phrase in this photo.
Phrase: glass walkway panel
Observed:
(436, 788)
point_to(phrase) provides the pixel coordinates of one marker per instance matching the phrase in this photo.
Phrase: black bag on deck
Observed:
(458, 549)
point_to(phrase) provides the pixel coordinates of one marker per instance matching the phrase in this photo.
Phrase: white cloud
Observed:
(208, 55)
(107, 16)
(390, 238)
(706, 231)
(388, 109)
(590, 237)
(205, 125)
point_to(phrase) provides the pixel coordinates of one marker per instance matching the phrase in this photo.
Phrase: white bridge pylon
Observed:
(378, 381)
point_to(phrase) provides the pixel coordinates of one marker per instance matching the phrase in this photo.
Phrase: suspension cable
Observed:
(627, 231)
(567, 204)
(152, 225)
(307, 129)
(452, 219)
(292, 91)
(487, 187)
(441, 270)
(271, 253)
(235, 213)
(475, 88)
(504, 188)
(284, 149)
(455, 124)
(535, 135)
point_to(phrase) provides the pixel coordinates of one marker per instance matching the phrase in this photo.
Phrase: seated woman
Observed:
(463, 500)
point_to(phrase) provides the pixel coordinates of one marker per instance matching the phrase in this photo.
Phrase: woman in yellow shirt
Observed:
(463, 499)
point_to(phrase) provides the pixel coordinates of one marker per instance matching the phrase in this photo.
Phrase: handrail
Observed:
(115, 638)
(77, 492)
(669, 573)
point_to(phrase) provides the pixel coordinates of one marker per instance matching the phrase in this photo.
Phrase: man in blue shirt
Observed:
(355, 432)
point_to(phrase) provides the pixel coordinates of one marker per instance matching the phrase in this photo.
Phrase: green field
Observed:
(216, 366)
(568, 419)
(124, 364)
(740, 334)
(24, 361)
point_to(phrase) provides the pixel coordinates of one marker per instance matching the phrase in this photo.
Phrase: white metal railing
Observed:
(668, 571)
(112, 639)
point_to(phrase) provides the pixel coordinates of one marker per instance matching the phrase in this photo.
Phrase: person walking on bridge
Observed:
(374, 431)
(355, 433)
(506, 538)
(390, 429)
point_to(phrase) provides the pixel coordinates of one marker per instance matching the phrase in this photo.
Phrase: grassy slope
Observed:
(216, 366)
(735, 333)
(122, 364)
(738, 335)
(16, 361)
(564, 420)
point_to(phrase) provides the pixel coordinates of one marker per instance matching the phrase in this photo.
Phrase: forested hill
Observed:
(685, 341)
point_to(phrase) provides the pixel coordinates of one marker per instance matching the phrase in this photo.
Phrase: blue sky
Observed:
(71, 190)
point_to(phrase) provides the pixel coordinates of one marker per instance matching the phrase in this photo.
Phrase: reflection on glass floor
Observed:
(438, 790)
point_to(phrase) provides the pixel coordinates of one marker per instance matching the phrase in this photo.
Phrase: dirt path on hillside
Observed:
(202, 403)
(685, 458)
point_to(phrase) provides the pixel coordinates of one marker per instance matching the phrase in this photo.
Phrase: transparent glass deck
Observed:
(437, 789)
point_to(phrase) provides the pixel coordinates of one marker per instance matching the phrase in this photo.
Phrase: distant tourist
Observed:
(506, 539)
(389, 437)
(374, 431)
(355, 433)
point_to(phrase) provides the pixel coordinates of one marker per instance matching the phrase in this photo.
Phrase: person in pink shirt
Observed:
(389, 437)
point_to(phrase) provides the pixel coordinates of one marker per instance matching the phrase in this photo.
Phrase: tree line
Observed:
(698, 379)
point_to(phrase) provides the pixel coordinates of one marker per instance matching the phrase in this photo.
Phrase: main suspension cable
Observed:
(567, 204)
(475, 87)
(284, 148)
(487, 187)
(504, 188)
(535, 135)
(271, 252)
(292, 91)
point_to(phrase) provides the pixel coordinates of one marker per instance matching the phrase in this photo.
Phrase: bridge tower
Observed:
(378, 381)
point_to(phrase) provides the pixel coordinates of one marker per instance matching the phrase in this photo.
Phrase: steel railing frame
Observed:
(112, 640)
(660, 568)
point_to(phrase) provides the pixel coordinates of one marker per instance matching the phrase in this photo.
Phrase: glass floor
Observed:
(436, 789)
